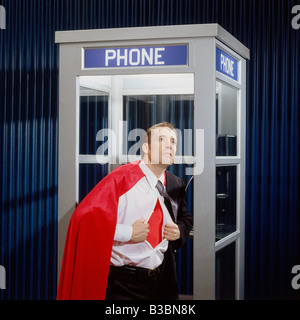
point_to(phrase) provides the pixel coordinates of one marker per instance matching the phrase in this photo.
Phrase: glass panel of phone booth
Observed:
(142, 111)
(93, 116)
(226, 199)
(226, 120)
(226, 273)
(89, 175)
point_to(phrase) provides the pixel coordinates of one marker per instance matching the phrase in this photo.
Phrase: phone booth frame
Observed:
(213, 56)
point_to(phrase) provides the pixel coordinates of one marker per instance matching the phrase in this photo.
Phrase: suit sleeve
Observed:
(184, 219)
(168, 286)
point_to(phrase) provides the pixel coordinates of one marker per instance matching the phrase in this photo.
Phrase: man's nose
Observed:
(171, 145)
(168, 144)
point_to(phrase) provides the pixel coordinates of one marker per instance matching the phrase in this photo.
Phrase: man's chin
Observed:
(167, 162)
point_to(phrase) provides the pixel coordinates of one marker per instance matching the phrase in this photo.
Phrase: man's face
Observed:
(163, 146)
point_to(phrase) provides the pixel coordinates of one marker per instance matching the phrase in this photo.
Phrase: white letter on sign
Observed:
(227, 65)
(146, 56)
(109, 55)
(119, 57)
(158, 56)
(137, 59)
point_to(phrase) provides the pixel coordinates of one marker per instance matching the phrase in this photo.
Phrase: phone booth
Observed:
(114, 84)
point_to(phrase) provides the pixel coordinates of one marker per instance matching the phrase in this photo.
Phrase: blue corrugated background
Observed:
(29, 130)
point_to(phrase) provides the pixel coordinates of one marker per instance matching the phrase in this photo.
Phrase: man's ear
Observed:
(145, 148)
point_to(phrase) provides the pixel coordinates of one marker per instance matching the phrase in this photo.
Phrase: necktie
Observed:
(164, 193)
(155, 225)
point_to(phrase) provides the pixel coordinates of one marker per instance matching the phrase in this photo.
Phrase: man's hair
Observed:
(147, 135)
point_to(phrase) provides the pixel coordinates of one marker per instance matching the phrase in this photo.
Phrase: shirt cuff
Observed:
(123, 233)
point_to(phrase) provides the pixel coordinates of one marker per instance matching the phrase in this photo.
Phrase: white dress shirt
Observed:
(139, 202)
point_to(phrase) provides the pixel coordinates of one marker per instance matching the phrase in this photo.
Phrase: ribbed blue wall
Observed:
(28, 144)
(29, 130)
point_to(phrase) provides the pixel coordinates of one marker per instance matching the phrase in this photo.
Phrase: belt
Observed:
(137, 270)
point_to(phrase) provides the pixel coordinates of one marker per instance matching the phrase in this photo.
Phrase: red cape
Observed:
(90, 235)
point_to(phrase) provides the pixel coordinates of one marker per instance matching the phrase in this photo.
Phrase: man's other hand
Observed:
(140, 230)
(171, 231)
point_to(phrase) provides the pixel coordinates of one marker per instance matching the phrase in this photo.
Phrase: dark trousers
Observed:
(132, 283)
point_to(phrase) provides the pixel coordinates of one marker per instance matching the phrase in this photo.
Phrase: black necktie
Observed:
(164, 193)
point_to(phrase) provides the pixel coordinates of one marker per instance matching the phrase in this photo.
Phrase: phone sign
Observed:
(226, 64)
(136, 57)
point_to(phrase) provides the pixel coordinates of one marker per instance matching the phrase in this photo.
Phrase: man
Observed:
(121, 238)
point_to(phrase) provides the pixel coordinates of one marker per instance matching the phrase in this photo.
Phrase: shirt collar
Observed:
(151, 177)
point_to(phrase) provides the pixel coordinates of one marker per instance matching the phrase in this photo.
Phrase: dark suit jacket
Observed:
(168, 281)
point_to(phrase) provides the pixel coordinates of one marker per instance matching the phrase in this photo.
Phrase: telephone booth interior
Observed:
(114, 84)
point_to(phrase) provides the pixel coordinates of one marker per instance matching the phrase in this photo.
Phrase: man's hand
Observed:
(171, 231)
(140, 230)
